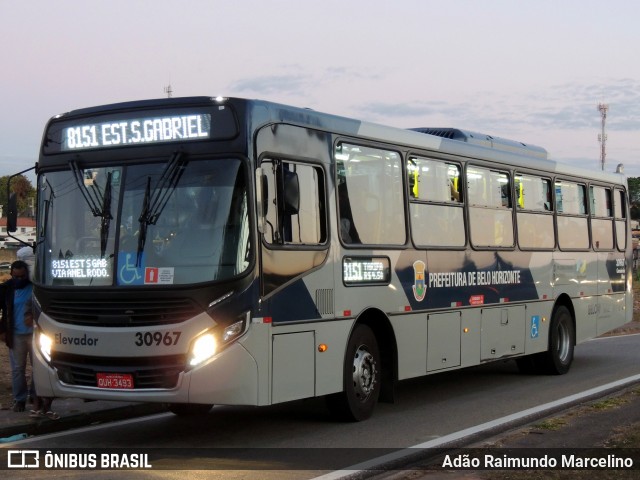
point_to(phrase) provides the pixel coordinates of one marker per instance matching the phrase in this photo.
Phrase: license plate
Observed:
(114, 380)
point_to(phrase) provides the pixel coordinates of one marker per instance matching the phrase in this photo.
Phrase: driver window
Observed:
(294, 203)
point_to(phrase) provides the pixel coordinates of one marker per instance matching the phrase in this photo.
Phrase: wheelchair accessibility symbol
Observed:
(535, 326)
(128, 272)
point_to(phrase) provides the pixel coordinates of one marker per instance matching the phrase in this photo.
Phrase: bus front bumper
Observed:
(228, 378)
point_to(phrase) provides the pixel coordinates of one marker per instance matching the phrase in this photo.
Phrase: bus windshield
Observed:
(171, 223)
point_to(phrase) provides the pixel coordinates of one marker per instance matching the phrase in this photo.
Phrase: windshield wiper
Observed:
(98, 202)
(106, 216)
(93, 201)
(144, 214)
(154, 202)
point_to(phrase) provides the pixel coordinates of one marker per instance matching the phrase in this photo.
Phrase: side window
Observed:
(437, 214)
(533, 193)
(570, 198)
(600, 201)
(620, 205)
(490, 207)
(620, 214)
(571, 205)
(433, 180)
(370, 195)
(601, 217)
(534, 208)
(293, 203)
(488, 188)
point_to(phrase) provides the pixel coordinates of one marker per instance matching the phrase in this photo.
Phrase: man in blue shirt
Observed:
(16, 325)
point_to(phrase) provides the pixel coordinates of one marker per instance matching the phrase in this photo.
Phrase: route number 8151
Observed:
(149, 339)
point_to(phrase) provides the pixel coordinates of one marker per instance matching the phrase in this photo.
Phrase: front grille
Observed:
(148, 372)
(122, 313)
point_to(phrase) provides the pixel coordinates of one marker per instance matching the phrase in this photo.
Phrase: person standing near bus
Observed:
(16, 325)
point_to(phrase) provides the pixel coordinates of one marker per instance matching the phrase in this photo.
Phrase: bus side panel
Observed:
(503, 332)
(612, 312)
(575, 275)
(537, 322)
(257, 341)
(299, 367)
(329, 363)
(612, 285)
(293, 366)
(411, 334)
(230, 378)
(471, 328)
(586, 318)
(443, 344)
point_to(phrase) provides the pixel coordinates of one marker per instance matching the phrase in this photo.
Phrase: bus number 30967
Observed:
(148, 339)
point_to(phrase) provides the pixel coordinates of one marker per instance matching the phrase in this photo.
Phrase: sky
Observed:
(528, 70)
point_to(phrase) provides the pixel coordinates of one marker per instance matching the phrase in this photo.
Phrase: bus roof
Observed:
(446, 140)
(471, 145)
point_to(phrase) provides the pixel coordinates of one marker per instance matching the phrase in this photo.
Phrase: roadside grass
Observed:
(552, 424)
(609, 403)
(623, 436)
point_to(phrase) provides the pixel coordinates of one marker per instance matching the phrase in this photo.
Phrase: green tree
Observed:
(634, 197)
(25, 192)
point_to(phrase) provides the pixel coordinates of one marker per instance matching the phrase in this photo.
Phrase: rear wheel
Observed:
(189, 409)
(558, 358)
(361, 387)
(562, 338)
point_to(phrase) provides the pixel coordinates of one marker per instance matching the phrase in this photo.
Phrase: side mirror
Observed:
(262, 196)
(291, 193)
(12, 213)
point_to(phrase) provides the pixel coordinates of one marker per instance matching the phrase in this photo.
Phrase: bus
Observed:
(221, 251)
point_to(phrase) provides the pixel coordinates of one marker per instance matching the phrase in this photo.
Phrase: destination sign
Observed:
(136, 131)
(81, 268)
(366, 270)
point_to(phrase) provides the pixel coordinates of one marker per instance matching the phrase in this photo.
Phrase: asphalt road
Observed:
(280, 441)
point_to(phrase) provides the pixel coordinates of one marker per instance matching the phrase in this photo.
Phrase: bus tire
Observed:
(362, 373)
(562, 339)
(189, 409)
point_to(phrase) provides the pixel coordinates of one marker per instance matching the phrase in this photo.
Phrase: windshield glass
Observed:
(155, 224)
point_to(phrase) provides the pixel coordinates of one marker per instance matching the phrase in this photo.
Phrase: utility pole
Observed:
(168, 90)
(603, 108)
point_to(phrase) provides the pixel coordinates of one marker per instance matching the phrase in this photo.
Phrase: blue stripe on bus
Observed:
(292, 303)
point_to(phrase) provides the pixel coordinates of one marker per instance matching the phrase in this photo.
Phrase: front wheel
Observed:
(361, 387)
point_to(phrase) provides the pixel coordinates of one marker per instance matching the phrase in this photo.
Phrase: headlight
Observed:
(203, 347)
(45, 343)
(208, 344)
(232, 331)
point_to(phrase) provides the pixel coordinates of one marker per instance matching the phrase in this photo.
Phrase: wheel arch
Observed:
(564, 300)
(381, 327)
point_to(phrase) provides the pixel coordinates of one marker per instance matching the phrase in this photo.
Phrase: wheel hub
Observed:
(364, 373)
(564, 342)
